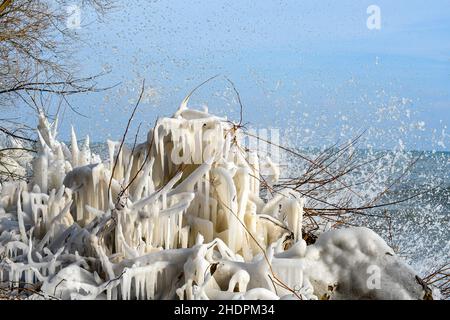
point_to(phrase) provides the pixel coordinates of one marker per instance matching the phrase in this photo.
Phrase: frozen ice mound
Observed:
(179, 216)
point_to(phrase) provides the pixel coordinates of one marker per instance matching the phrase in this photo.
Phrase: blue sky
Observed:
(310, 66)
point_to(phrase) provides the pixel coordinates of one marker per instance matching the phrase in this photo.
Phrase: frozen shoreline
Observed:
(181, 218)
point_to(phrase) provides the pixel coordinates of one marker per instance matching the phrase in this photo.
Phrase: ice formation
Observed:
(179, 216)
(14, 156)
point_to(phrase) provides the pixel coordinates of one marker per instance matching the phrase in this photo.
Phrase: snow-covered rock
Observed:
(355, 263)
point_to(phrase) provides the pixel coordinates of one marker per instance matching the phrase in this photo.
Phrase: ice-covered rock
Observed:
(355, 263)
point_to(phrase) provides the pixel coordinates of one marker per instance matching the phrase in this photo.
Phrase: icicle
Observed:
(75, 150)
(20, 215)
